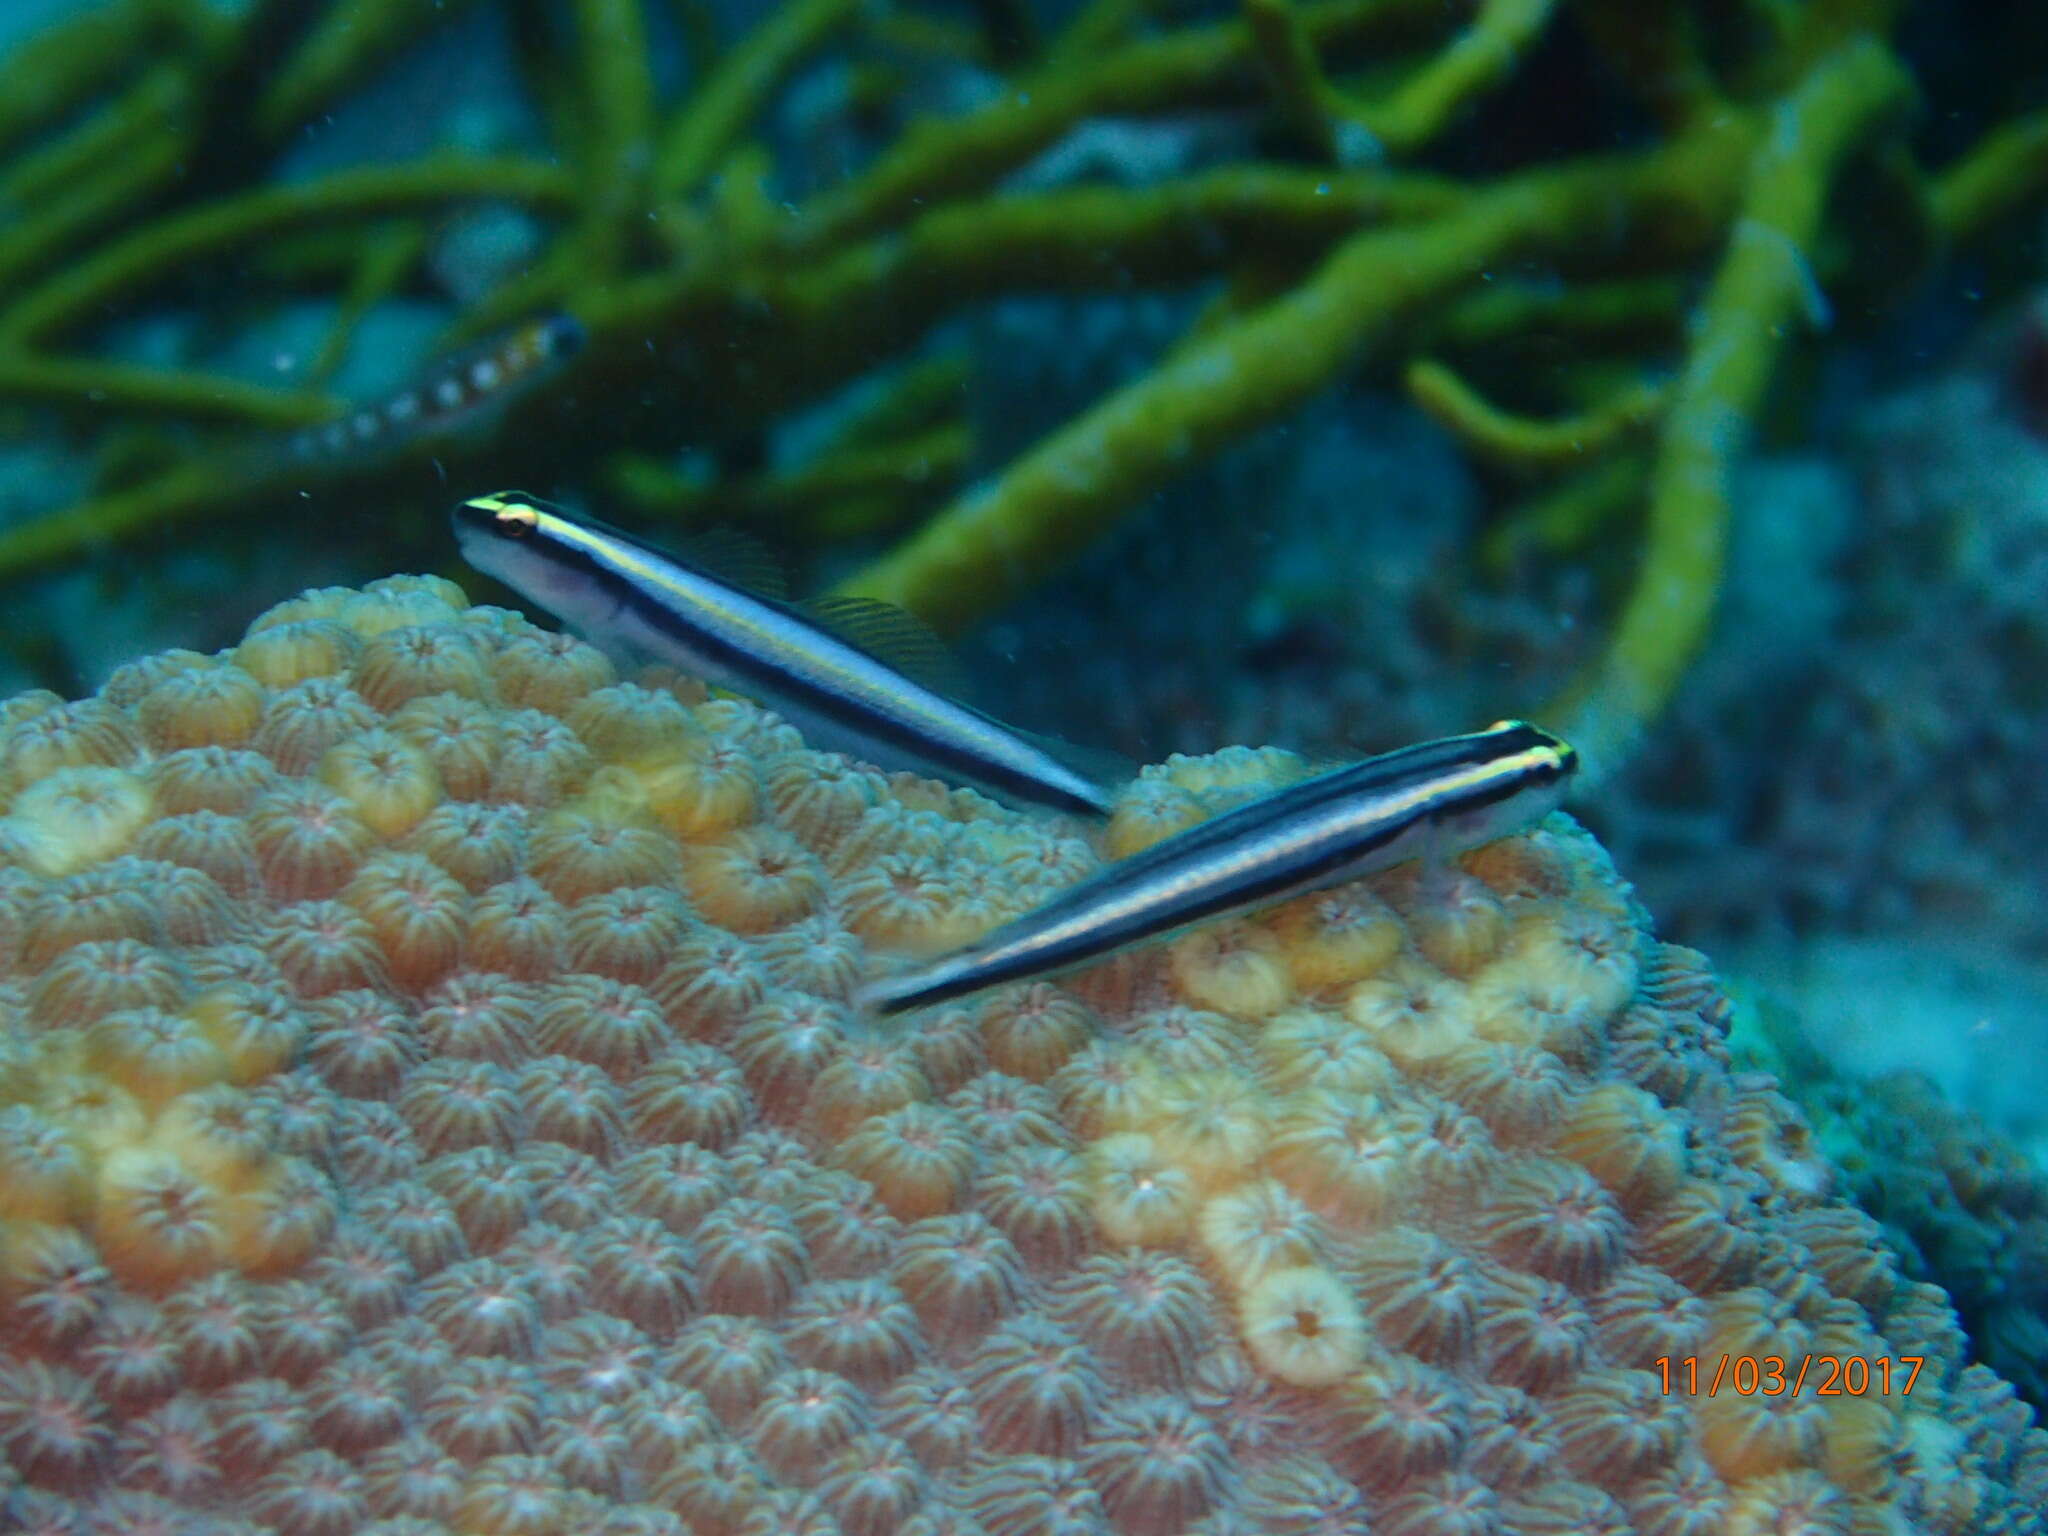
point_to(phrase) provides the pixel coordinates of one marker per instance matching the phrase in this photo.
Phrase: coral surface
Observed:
(1959, 1202)
(432, 1102)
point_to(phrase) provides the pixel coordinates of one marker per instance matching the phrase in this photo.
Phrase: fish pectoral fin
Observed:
(738, 559)
(893, 635)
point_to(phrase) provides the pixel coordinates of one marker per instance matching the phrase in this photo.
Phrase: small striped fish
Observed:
(834, 690)
(453, 396)
(1433, 799)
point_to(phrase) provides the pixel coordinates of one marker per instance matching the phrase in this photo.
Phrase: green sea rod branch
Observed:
(1758, 295)
(732, 95)
(156, 103)
(1571, 515)
(996, 541)
(94, 386)
(800, 333)
(100, 174)
(1010, 29)
(2001, 173)
(1177, 229)
(1478, 58)
(1629, 312)
(608, 120)
(1422, 107)
(1313, 110)
(69, 63)
(107, 520)
(342, 47)
(817, 324)
(941, 160)
(1654, 51)
(1526, 443)
(617, 94)
(387, 256)
(879, 479)
(1097, 25)
(152, 252)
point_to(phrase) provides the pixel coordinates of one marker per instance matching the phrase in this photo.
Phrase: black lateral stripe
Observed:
(748, 665)
(1256, 880)
(753, 671)
(1406, 768)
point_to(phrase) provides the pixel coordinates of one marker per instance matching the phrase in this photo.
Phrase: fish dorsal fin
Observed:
(736, 558)
(891, 634)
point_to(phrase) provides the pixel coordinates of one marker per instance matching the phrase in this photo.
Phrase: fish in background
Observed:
(853, 675)
(450, 398)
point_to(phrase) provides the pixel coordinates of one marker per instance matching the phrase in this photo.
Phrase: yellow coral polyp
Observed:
(1456, 922)
(290, 653)
(1336, 938)
(1571, 948)
(1212, 1126)
(1149, 811)
(1412, 1013)
(1234, 968)
(1139, 1197)
(1621, 1136)
(460, 737)
(405, 664)
(626, 723)
(1314, 1048)
(1344, 1155)
(75, 818)
(907, 902)
(254, 1033)
(1100, 1091)
(215, 705)
(388, 781)
(314, 605)
(101, 1116)
(702, 791)
(1512, 1002)
(1281, 1225)
(1256, 1230)
(394, 602)
(1234, 774)
(156, 1222)
(275, 1225)
(754, 880)
(190, 1131)
(154, 1055)
(26, 1245)
(1303, 1327)
(1867, 1444)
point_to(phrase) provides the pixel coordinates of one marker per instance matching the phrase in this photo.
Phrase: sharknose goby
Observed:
(1432, 800)
(619, 591)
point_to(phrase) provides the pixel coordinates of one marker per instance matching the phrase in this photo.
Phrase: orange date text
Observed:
(1779, 1375)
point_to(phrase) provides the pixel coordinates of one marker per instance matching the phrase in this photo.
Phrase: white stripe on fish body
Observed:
(1435, 799)
(838, 695)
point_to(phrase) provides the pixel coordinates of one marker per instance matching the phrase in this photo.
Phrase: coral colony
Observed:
(432, 1103)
